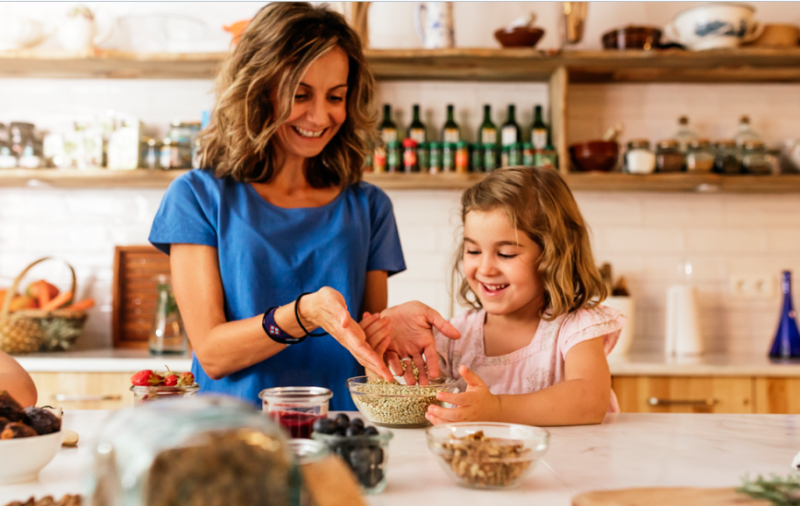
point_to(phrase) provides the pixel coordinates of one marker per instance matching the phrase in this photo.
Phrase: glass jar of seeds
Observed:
(397, 405)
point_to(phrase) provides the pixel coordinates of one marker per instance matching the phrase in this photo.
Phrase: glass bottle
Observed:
(387, 128)
(450, 131)
(510, 132)
(745, 132)
(416, 130)
(487, 133)
(684, 136)
(539, 133)
(787, 339)
(167, 336)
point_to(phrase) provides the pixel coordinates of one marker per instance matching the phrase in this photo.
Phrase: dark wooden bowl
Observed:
(632, 37)
(598, 156)
(520, 36)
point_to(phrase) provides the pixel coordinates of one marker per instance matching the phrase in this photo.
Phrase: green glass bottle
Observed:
(539, 131)
(487, 133)
(450, 131)
(416, 130)
(387, 128)
(510, 132)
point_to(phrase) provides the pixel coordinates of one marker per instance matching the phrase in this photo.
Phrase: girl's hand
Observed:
(379, 336)
(326, 308)
(477, 404)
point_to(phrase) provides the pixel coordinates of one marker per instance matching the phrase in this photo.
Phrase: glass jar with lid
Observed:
(182, 135)
(296, 408)
(700, 156)
(199, 450)
(727, 159)
(668, 156)
(755, 159)
(639, 158)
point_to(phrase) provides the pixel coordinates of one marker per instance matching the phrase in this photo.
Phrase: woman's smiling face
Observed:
(319, 108)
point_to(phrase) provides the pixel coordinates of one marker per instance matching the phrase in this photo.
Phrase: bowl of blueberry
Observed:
(365, 449)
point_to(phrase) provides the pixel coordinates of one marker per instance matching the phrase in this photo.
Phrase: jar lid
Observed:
(699, 143)
(754, 144)
(639, 144)
(668, 144)
(296, 394)
(726, 143)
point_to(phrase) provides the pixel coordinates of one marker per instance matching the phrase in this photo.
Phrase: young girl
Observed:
(533, 348)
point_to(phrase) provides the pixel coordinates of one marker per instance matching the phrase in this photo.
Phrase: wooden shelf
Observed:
(734, 65)
(600, 182)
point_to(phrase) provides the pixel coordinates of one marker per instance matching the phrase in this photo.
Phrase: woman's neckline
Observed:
(272, 205)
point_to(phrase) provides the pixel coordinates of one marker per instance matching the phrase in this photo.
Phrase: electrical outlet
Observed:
(754, 286)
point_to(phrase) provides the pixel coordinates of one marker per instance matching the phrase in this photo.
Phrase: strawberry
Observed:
(186, 379)
(146, 378)
(171, 380)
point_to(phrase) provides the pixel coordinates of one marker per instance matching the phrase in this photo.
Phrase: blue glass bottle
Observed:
(787, 339)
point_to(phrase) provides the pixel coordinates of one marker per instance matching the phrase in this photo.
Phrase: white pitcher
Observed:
(434, 23)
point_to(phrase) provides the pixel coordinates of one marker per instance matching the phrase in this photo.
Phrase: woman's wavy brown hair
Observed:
(279, 45)
(539, 203)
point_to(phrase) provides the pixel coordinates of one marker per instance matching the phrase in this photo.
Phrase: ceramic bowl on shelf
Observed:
(519, 36)
(632, 37)
(23, 458)
(715, 25)
(591, 156)
(487, 455)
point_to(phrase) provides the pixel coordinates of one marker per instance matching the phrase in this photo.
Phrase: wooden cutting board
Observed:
(666, 497)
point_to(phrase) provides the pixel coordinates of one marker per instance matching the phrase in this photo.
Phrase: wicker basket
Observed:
(32, 330)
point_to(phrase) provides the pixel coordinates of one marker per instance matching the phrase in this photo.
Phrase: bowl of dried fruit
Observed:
(487, 455)
(397, 405)
(29, 439)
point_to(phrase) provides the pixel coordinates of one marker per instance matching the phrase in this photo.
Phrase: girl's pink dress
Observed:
(534, 367)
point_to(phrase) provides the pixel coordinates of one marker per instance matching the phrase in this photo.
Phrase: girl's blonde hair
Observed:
(539, 203)
(279, 45)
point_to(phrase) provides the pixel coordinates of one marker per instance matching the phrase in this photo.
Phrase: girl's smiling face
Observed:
(319, 108)
(500, 264)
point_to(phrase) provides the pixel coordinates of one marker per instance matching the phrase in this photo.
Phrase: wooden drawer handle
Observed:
(86, 398)
(655, 401)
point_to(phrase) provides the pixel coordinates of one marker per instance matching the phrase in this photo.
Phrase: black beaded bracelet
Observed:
(275, 332)
(297, 316)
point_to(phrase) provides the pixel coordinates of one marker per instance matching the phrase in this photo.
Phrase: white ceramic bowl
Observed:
(23, 458)
(716, 25)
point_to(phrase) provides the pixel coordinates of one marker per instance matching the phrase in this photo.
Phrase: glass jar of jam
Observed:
(755, 159)
(296, 408)
(727, 159)
(639, 158)
(699, 156)
(668, 156)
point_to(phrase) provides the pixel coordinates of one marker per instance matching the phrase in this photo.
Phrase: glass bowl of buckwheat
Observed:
(397, 405)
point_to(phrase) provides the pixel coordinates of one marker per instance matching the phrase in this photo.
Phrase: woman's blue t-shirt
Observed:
(269, 255)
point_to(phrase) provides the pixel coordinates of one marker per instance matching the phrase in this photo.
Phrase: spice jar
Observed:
(755, 159)
(700, 156)
(410, 160)
(296, 408)
(379, 160)
(424, 157)
(152, 153)
(727, 159)
(170, 156)
(639, 158)
(448, 157)
(527, 154)
(476, 158)
(435, 157)
(392, 156)
(668, 156)
(489, 157)
(462, 157)
(182, 135)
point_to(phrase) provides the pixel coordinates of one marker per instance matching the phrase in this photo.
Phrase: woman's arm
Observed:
(224, 347)
(16, 381)
(376, 292)
(581, 399)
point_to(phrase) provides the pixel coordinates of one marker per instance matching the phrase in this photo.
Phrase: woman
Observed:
(281, 212)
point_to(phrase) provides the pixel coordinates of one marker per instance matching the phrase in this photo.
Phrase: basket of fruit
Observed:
(150, 386)
(41, 319)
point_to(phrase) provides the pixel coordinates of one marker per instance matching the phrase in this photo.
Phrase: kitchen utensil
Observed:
(160, 33)
(434, 24)
(519, 36)
(78, 30)
(714, 26)
(397, 406)
(23, 458)
(682, 336)
(17, 32)
(296, 408)
(573, 21)
(777, 36)
(632, 37)
(495, 464)
(595, 155)
(666, 497)
(627, 307)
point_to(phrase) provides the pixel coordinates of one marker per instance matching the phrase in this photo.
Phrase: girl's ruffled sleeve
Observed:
(591, 323)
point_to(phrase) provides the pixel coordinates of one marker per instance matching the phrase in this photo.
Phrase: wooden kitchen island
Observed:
(627, 450)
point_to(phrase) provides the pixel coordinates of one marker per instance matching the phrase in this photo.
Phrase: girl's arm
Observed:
(581, 399)
(224, 347)
(16, 381)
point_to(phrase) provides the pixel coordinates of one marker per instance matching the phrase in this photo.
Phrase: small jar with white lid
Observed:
(639, 158)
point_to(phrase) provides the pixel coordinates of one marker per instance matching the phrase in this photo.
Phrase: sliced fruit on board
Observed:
(683, 496)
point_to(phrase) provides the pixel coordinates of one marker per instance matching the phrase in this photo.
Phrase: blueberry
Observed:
(338, 431)
(357, 421)
(324, 425)
(371, 431)
(343, 420)
(353, 430)
(362, 460)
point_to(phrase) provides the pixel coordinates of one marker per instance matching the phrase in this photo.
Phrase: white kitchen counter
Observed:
(103, 360)
(657, 364)
(627, 450)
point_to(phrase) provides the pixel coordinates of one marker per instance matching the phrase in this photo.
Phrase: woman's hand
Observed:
(327, 309)
(412, 337)
(477, 404)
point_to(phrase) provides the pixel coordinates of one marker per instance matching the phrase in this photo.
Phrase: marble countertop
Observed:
(102, 360)
(626, 450)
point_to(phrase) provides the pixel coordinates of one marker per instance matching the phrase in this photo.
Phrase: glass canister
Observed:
(296, 408)
(755, 159)
(203, 450)
(728, 158)
(668, 156)
(167, 335)
(639, 158)
(700, 156)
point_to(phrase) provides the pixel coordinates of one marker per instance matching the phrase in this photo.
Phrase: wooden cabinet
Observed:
(84, 390)
(682, 394)
(777, 395)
